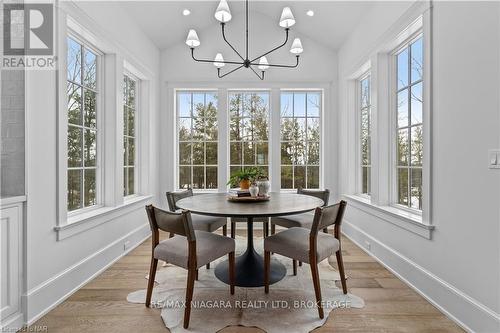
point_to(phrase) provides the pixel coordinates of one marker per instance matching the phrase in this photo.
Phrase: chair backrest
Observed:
(176, 223)
(173, 197)
(328, 215)
(320, 194)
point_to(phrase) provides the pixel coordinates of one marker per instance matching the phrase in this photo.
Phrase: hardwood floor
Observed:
(391, 306)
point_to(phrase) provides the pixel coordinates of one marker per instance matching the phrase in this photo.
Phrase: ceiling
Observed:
(164, 23)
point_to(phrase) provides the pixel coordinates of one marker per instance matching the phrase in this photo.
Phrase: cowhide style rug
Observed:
(289, 306)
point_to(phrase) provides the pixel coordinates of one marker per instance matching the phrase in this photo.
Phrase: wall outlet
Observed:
(494, 159)
(126, 245)
(368, 245)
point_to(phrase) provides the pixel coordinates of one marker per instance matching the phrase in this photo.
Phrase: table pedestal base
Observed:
(250, 266)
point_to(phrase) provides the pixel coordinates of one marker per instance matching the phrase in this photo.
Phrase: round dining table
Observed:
(250, 265)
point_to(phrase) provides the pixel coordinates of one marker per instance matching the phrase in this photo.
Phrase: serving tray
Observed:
(247, 199)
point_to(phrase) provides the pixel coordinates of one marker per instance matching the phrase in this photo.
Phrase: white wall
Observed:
(459, 269)
(317, 69)
(55, 268)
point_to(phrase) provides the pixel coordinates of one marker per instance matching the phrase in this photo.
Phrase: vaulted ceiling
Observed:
(165, 25)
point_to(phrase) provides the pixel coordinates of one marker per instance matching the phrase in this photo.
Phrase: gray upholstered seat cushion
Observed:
(294, 243)
(207, 223)
(208, 248)
(304, 220)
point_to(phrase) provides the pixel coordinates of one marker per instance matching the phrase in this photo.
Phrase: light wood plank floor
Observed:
(391, 306)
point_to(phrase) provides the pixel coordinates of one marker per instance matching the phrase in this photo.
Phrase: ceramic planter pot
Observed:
(244, 184)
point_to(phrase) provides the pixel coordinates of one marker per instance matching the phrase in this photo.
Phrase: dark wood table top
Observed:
(280, 204)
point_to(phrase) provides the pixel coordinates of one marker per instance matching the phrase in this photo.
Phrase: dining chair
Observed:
(200, 222)
(188, 248)
(310, 246)
(304, 220)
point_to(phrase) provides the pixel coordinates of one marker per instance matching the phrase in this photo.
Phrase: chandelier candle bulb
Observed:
(296, 46)
(222, 13)
(192, 39)
(219, 61)
(287, 19)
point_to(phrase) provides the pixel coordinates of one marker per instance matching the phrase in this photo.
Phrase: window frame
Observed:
(366, 74)
(137, 133)
(70, 33)
(177, 141)
(393, 116)
(228, 117)
(321, 92)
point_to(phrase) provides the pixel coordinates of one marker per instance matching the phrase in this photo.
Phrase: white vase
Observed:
(264, 187)
(254, 190)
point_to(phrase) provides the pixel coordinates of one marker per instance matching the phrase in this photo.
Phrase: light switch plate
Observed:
(494, 158)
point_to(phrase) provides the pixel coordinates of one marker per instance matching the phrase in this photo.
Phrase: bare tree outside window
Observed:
(129, 134)
(198, 139)
(249, 131)
(365, 134)
(82, 92)
(300, 139)
(409, 135)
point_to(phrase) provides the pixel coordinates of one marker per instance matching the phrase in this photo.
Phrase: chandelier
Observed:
(223, 15)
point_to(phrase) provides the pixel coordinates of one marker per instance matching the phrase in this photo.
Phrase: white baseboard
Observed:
(467, 312)
(13, 323)
(52, 292)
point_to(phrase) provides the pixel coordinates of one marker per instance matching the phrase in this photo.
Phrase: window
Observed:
(365, 133)
(249, 131)
(83, 93)
(409, 124)
(300, 139)
(197, 139)
(129, 134)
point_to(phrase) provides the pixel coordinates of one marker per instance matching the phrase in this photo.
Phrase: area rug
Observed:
(290, 305)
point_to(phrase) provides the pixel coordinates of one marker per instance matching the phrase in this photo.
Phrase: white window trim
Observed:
(223, 89)
(321, 136)
(100, 165)
(416, 19)
(393, 196)
(228, 130)
(366, 72)
(176, 138)
(70, 19)
(137, 131)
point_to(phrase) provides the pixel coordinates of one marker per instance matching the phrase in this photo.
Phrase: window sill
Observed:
(91, 219)
(399, 217)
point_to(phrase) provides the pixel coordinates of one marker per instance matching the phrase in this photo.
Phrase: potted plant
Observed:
(244, 178)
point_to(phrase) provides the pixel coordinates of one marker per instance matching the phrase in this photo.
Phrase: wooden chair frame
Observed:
(313, 243)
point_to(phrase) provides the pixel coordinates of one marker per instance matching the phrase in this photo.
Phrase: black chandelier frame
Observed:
(246, 62)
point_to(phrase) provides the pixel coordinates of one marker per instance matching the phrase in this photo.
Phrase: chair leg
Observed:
(266, 229)
(340, 263)
(300, 263)
(151, 280)
(294, 266)
(189, 295)
(273, 228)
(196, 275)
(170, 235)
(267, 264)
(231, 272)
(317, 288)
(224, 230)
(208, 266)
(233, 230)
